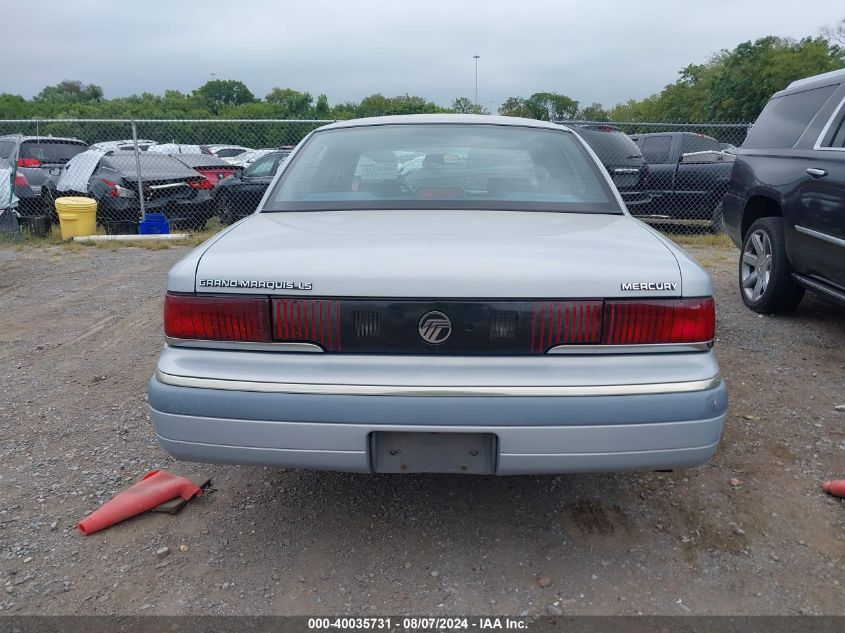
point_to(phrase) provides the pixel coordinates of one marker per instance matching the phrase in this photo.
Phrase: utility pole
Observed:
(476, 57)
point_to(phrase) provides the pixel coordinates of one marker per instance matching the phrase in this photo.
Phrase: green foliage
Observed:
(734, 85)
(547, 106)
(219, 93)
(464, 105)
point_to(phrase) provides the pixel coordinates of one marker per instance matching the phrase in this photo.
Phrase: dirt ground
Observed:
(749, 533)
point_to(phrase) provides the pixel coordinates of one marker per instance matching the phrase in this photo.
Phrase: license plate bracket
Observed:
(416, 452)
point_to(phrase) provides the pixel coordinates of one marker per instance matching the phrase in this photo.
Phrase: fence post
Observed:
(138, 167)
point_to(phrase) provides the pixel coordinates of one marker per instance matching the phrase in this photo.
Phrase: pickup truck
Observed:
(688, 175)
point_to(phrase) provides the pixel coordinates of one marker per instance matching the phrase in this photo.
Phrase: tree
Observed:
(551, 106)
(593, 112)
(546, 106)
(69, 91)
(516, 106)
(464, 105)
(321, 109)
(219, 93)
(734, 85)
(292, 104)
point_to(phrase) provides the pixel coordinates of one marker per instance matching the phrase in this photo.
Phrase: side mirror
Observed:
(239, 172)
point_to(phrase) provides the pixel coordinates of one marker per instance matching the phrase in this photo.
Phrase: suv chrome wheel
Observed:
(756, 266)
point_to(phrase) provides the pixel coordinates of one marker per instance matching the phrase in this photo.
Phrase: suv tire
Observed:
(765, 274)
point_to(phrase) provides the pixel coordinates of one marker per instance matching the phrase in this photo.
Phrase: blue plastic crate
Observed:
(154, 224)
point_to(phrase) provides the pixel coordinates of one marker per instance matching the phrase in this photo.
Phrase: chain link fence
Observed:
(672, 175)
(207, 173)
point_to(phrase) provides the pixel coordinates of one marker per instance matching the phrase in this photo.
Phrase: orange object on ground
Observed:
(155, 488)
(835, 487)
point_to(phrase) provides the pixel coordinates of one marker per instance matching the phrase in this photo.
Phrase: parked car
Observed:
(247, 158)
(125, 145)
(622, 159)
(227, 151)
(499, 315)
(36, 157)
(169, 187)
(785, 206)
(213, 168)
(178, 148)
(688, 175)
(238, 196)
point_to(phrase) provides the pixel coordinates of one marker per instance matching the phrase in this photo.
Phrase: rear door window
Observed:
(699, 143)
(49, 151)
(7, 148)
(656, 149)
(263, 167)
(784, 119)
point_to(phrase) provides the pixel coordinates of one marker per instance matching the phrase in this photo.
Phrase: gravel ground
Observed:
(749, 533)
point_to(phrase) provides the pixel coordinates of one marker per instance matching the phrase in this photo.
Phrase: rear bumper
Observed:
(534, 434)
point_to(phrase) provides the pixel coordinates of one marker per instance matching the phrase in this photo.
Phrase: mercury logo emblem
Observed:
(434, 327)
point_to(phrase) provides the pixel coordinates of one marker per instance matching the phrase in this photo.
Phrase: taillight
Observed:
(657, 321)
(201, 184)
(29, 162)
(21, 181)
(565, 323)
(116, 191)
(217, 318)
(307, 320)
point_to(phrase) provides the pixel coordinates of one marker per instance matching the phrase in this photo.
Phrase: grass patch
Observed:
(54, 239)
(701, 239)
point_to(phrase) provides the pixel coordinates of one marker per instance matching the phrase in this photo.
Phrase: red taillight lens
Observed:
(21, 181)
(114, 193)
(29, 162)
(201, 184)
(565, 323)
(659, 321)
(217, 318)
(307, 320)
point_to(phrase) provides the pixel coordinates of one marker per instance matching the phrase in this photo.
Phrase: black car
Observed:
(169, 187)
(238, 196)
(621, 157)
(785, 205)
(36, 157)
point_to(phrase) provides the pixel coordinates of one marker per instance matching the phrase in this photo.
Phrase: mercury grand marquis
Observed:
(440, 293)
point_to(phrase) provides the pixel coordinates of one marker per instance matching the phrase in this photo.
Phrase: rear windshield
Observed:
(50, 151)
(784, 119)
(610, 145)
(443, 166)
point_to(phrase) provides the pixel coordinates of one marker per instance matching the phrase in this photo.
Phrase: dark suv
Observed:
(38, 159)
(785, 204)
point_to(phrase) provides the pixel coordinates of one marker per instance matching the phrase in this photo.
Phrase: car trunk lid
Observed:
(440, 254)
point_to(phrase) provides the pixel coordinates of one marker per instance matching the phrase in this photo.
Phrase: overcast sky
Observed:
(592, 50)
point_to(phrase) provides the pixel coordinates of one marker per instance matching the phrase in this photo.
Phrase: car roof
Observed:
(54, 139)
(816, 81)
(432, 119)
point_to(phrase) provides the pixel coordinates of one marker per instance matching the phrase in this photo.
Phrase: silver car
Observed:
(492, 310)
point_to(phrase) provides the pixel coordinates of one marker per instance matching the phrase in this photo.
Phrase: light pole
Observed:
(476, 57)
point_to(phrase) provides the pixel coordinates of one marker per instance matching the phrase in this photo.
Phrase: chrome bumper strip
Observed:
(415, 390)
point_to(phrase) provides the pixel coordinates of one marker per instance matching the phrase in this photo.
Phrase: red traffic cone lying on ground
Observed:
(155, 488)
(835, 487)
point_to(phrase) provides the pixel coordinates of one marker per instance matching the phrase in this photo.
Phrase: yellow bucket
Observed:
(77, 216)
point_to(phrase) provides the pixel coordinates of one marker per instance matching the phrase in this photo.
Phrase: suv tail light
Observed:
(201, 184)
(658, 321)
(21, 181)
(216, 318)
(29, 162)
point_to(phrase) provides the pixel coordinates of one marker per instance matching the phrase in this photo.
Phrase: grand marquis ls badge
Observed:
(434, 327)
(255, 283)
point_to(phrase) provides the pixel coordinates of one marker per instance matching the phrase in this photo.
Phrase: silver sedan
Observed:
(486, 306)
